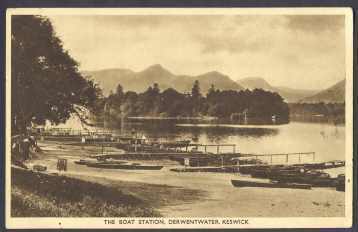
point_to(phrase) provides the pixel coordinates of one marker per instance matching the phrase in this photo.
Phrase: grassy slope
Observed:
(42, 195)
(155, 195)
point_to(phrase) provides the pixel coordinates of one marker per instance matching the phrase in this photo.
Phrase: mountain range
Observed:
(139, 81)
(289, 94)
(108, 79)
(333, 94)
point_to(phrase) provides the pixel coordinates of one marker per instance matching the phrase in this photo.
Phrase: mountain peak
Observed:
(333, 94)
(156, 66)
(157, 69)
(253, 79)
(215, 73)
(255, 82)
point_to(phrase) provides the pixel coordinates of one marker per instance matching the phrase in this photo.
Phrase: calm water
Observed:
(328, 141)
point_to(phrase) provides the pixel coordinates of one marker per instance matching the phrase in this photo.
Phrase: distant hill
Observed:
(255, 83)
(289, 94)
(108, 80)
(334, 94)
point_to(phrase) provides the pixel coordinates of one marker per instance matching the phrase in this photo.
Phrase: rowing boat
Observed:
(314, 179)
(244, 183)
(86, 162)
(132, 166)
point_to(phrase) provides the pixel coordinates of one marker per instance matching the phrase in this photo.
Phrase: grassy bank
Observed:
(155, 195)
(42, 195)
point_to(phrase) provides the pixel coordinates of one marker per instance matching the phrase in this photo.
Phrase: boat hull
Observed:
(244, 183)
(315, 181)
(125, 166)
(86, 162)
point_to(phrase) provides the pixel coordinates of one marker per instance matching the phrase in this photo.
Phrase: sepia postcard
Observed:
(179, 118)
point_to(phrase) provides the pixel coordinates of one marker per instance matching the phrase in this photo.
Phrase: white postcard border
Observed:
(257, 222)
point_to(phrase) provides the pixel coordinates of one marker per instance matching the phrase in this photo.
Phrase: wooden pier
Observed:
(287, 155)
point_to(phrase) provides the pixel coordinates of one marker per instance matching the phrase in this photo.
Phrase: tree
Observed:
(172, 103)
(46, 83)
(119, 91)
(196, 98)
(195, 91)
(156, 89)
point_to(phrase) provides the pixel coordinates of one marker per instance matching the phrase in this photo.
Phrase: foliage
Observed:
(323, 111)
(46, 83)
(257, 103)
(321, 108)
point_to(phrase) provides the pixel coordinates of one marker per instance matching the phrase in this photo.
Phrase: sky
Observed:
(296, 51)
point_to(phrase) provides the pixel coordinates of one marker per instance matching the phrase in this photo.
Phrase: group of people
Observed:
(21, 146)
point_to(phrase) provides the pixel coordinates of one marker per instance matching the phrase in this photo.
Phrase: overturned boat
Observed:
(132, 166)
(253, 183)
(312, 177)
(86, 162)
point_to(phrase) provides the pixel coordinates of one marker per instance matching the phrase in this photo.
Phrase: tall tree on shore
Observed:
(45, 81)
(195, 91)
(196, 98)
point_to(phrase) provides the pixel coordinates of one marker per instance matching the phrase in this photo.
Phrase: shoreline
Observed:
(199, 194)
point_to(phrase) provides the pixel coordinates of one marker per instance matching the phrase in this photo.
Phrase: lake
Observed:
(327, 140)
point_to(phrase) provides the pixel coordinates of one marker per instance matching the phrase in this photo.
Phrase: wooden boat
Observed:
(341, 184)
(267, 171)
(317, 179)
(133, 166)
(85, 162)
(181, 143)
(245, 183)
(324, 165)
(225, 169)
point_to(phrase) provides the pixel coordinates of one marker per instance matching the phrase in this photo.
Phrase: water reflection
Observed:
(214, 133)
(327, 140)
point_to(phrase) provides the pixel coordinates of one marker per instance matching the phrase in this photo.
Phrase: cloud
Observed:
(295, 51)
(316, 23)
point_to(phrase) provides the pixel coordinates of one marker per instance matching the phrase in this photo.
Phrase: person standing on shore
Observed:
(26, 144)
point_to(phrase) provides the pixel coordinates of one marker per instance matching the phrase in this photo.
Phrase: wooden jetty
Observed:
(299, 155)
(148, 155)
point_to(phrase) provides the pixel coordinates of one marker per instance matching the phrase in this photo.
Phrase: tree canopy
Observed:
(259, 105)
(45, 81)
